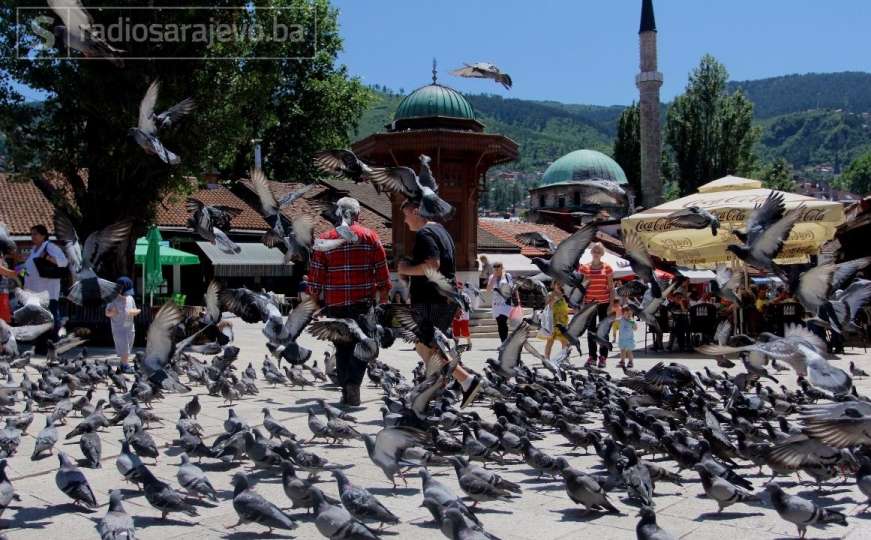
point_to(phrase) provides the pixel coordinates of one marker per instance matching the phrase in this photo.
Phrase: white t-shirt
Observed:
(500, 306)
(33, 281)
(123, 305)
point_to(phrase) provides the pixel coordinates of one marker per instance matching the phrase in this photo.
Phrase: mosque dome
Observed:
(583, 165)
(434, 100)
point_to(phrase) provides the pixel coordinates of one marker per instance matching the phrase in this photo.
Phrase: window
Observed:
(541, 200)
(577, 198)
(562, 201)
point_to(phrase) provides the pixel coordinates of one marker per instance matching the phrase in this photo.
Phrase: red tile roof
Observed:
(171, 211)
(507, 230)
(365, 193)
(308, 205)
(22, 205)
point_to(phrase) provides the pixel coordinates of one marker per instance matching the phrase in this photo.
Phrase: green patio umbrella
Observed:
(153, 270)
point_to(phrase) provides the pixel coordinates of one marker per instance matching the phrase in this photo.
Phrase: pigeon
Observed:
(361, 503)
(694, 217)
(251, 507)
(300, 491)
(158, 346)
(346, 331)
(460, 529)
(483, 70)
(342, 163)
(91, 447)
(294, 238)
(647, 529)
(7, 245)
(725, 493)
(46, 439)
(422, 188)
(584, 489)
(802, 512)
(145, 133)
(274, 428)
(761, 250)
(211, 222)
(641, 263)
(762, 217)
(334, 522)
(447, 289)
(563, 265)
(193, 407)
(840, 425)
(129, 464)
(438, 493)
(335, 412)
(163, 497)
(85, 260)
(863, 480)
(636, 476)
(385, 449)
(537, 239)
(77, 32)
(481, 485)
(194, 480)
(841, 311)
(73, 483)
(116, 524)
(857, 372)
(7, 491)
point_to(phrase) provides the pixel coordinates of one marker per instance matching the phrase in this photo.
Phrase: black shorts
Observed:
(434, 316)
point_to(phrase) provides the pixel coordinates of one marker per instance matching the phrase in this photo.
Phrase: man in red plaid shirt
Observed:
(347, 279)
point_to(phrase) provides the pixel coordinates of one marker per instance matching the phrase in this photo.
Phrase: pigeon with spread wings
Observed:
(694, 217)
(210, 222)
(343, 163)
(84, 260)
(484, 70)
(77, 32)
(422, 189)
(145, 133)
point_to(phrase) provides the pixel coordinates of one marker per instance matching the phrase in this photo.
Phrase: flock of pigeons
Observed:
(646, 427)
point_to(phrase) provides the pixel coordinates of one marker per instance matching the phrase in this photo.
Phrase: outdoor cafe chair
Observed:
(703, 322)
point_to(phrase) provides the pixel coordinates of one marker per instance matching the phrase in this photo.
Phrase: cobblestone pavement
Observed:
(542, 512)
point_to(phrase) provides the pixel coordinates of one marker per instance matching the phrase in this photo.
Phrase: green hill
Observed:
(819, 122)
(774, 96)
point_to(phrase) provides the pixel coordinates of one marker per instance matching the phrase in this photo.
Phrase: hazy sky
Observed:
(586, 51)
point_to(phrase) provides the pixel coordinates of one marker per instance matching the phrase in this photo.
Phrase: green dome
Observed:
(583, 165)
(434, 100)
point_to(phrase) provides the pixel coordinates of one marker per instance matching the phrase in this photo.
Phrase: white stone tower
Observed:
(648, 81)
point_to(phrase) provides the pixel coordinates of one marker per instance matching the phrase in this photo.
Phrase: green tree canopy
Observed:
(778, 175)
(298, 101)
(857, 177)
(627, 146)
(709, 131)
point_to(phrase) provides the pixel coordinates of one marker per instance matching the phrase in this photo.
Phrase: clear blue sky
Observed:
(586, 51)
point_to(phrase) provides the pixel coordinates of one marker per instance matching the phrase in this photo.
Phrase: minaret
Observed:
(648, 83)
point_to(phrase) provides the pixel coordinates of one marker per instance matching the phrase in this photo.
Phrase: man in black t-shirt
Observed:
(433, 248)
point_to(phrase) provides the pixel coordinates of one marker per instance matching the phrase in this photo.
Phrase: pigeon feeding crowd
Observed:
(666, 425)
(741, 437)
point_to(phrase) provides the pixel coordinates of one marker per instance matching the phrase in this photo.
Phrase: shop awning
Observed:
(253, 260)
(697, 276)
(168, 256)
(514, 263)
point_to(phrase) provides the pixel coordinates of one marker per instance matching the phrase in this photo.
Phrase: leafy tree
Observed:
(857, 177)
(627, 146)
(710, 131)
(296, 106)
(778, 175)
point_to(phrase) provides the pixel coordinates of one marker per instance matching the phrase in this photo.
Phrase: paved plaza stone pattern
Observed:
(543, 511)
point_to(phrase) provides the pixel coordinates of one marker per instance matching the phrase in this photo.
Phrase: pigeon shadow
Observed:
(722, 516)
(393, 491)
(251, 535)
(30, 516)
(155, 521)
(580, 515)
(218, 466)
(482, 510)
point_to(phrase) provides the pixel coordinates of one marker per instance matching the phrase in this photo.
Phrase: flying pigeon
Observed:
(145, 133)
(77, 32)
(211, 222)
(483, 70)
(422, 188)
(343, 163)
(694, 217)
